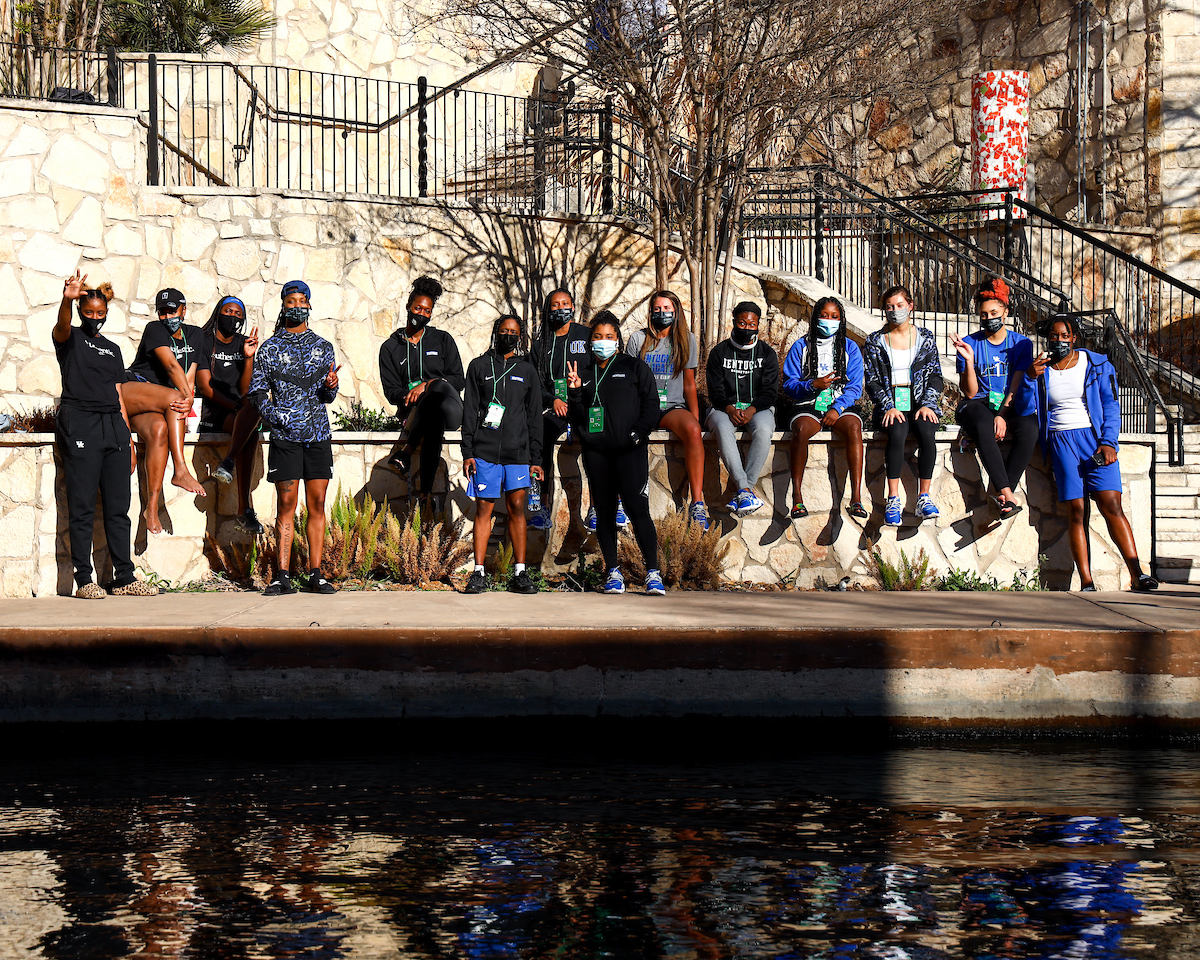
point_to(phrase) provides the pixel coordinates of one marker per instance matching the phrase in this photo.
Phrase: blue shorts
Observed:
(491, 479)
(1075, 473)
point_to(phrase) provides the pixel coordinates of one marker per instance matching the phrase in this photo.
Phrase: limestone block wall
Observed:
(1180, 137)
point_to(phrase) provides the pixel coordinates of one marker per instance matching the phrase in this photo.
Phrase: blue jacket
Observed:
(801, 390)
(288, 385)
(1099, 396)
(926, 373)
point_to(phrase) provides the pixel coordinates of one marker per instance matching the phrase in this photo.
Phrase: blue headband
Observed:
(295, 286)
(225, 300)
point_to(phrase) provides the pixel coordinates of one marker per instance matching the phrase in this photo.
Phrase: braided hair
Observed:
(809, 364)
(211, 325)
(522, 342)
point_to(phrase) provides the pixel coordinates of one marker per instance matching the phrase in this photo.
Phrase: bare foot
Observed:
(188, 483)
(151, 518)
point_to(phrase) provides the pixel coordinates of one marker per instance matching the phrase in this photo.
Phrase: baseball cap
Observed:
(169, 300)
(295, 286)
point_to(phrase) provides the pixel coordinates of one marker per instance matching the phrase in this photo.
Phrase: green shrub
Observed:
(360, 419)
(909, 575)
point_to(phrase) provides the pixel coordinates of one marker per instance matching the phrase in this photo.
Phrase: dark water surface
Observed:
(266, 842)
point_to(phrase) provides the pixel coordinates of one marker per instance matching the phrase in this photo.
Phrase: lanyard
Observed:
(420, 358)
(553, 343)
(599, 380)
(912, 342)
(184, 352)
(496, 380)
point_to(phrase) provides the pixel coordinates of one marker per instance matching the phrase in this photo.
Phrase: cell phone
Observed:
(1098, 458)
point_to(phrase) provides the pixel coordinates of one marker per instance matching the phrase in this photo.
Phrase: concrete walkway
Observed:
(944, 657)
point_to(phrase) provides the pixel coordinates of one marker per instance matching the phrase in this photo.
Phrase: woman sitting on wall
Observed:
(158, 397)
(671, 351)
(422, 374)
(91, 430)
(1079, 420)
(223, 381)
(904, 381)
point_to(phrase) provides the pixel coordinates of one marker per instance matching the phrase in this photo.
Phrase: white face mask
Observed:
(897, 315)
(604, 348)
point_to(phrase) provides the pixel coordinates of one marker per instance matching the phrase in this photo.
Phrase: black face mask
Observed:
(228, 324)
(416, 321)
(91, 326)
(295, 316)
(562, 316)
(507, 342)
(743, 337)
(1059, 350)
(992, 324)
(662, 318)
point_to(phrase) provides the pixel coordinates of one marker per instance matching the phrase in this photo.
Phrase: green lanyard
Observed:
(496, 380)
(420, 358)
(599, 380)
(183, 337)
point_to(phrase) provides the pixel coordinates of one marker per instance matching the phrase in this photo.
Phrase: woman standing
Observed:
(294, 378)
(1079, 420)
(613, 404)
(743, 381)
(422, 374)
(158, 397)
(823, 376)
(92, 434)
(904, 380)
(672, 353)
(501, 438)
(991, 365)
(223, 382)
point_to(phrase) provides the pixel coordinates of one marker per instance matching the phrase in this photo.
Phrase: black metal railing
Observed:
(29, 72)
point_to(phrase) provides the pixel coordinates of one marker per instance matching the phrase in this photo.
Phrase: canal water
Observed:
(384, 844)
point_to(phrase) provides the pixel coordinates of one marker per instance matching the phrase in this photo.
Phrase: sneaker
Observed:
(281, 585)
(746, 502)
(615, 581)
(520, 583)
(135, 588)
(622, 519)
(654, 584)
(90, 591)
(249, 522)
(698, 513)
(477, 582)
(317, 583)
(1145, 582)
(590, 520)
(926, 508)
(224, 471)
(540, 520)
(892, 511)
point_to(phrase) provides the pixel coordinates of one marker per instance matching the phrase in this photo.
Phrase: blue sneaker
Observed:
(698, 513)
(590, 520)
(926, 508)
(622, 519)
(615, 582)
(654, 584)
(745, 503)
(540, 520)
(892, 511)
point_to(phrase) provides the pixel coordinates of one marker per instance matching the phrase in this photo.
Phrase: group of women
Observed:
(582, 381)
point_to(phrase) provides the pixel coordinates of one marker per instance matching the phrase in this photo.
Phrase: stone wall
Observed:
(766, 547)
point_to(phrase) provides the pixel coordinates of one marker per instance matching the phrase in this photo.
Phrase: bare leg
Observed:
(289, 492)
(1109, 502)
(151, 429)
(180, 475)
(482, 529)
(1077, 533)
(850, 430)
(145, 398)
(803, 430)
(516, 524)
(314, 499)
(687, 429)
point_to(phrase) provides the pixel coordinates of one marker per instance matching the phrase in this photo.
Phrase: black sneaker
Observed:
(521, 583)
(316, 583)
(224, 471)
(1145, 582)
(249, 522)
(477, 582)
(281, 585)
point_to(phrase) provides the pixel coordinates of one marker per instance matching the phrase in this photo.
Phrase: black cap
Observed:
(748, 306)
(169, 300)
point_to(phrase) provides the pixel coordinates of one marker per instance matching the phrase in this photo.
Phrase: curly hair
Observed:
(523, 340)
(1044, 327)
(102, 292)
(425, 287)
(608, 318)
(993, 288)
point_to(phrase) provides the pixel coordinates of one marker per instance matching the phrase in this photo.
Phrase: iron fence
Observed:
(29, 72)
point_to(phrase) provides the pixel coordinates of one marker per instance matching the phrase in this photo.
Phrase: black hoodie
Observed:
(433, 357)
(629, 396)
(551, 354)
(747, 376)
(514, 384)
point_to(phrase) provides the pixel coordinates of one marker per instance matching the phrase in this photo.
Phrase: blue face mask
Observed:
(828, 326)
(604, 348)
(172, 323)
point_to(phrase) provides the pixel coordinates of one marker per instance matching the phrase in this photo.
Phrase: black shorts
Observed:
(287, 460)
(809, 409)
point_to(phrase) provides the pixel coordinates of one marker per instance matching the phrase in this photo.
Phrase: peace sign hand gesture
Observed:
(573, 381)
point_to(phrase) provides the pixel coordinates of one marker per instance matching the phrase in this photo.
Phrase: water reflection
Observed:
(916, 853)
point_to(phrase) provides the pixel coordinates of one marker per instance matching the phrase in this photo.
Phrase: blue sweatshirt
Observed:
(288, 385)
(801, 390)
(1099, 396)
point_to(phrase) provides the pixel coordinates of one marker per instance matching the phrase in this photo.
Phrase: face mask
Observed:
(828, 326)
(992, 324)
(604, 348)
(90, 325)
(172, 323)
(227, 324)
(662, 318)
(295, 316)
(743, 337)
(898, 315)
(416, 321)
(1059, 350)
(561, 316)
(507, 342)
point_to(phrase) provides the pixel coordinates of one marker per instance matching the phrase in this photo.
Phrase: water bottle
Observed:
(535, 495)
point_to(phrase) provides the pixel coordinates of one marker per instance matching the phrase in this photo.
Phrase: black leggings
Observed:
(625, 473)
(553, 427)
(979, 421)
(897, 433)
(439, 409)
(95, 456)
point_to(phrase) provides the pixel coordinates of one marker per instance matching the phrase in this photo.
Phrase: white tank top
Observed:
(1064, 397)
(902, 361)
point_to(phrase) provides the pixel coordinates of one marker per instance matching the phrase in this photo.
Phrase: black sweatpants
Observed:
(979, 422)
(624, 473)
(439, 409)
(897, 433)
(95, 455)
(553, 427)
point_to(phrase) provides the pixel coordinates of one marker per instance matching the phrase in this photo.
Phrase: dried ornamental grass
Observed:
(688, 557)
